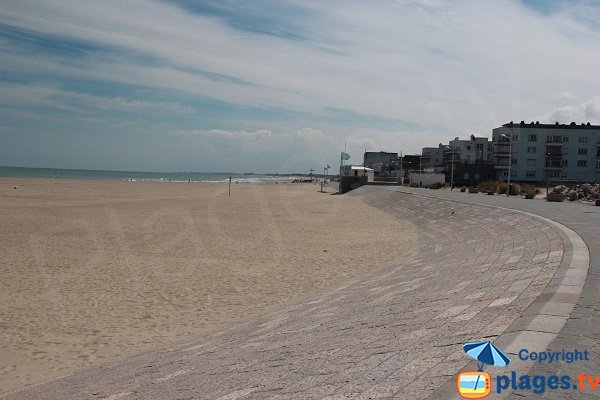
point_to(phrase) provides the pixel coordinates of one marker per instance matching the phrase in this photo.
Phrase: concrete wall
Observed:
(348, 183)
(425, 179)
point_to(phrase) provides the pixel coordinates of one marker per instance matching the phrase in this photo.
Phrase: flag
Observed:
(345, 156)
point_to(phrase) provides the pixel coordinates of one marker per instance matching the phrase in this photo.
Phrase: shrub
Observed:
(526, 188)
(500, 187)
(488, 185)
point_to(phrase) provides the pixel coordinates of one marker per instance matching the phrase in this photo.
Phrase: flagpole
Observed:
(342, 157)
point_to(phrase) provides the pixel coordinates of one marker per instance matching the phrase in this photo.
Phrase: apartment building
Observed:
(433, 157)
(539, 152)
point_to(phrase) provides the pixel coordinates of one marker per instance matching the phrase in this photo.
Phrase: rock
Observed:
(555, 197)
(559, 189)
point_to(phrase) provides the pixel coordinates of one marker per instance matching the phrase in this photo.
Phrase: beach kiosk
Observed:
(357, 170)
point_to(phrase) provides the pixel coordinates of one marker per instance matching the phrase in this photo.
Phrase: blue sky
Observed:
(279, 86)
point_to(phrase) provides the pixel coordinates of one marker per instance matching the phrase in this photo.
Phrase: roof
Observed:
(556, 125)
(361, 168)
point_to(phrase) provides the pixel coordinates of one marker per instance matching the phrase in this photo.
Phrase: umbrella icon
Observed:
(486, 353)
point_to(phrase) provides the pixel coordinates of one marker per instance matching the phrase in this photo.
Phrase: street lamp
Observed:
(546, 171)
(479, 167)
(509, 161)
(401, 171)
(452, 169)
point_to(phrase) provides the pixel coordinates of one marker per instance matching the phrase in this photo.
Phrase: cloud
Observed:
(53, 97)
(391, 75)
(282, 151)
(587, 111)
(563, 96)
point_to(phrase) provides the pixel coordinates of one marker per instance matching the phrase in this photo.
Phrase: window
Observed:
(565, 139)
(532, 138)
(582, 163)
(565, 150)
(468, 147)
(582, 151)
(564, 163)
(530, 174)
(531, 161)
(553, 173)
(554, 139)
(531, 150)
(583, 139)
(598, 164)
(514, 161)
(515, 138)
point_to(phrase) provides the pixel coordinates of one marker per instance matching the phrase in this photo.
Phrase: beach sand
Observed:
(93, 271)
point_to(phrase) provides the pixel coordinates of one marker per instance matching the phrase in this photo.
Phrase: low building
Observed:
(358, 170)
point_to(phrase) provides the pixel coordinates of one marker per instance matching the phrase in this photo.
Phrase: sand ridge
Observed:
(93, 271)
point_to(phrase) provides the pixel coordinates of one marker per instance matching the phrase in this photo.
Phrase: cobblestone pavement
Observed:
(479, 273)
(582, 330)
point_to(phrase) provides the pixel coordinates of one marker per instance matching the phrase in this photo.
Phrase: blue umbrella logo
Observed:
(486, 353)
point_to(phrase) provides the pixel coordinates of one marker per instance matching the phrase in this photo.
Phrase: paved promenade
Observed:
(479, 273)
(582, 330)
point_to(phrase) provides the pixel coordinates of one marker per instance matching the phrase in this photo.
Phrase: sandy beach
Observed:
(93, 271)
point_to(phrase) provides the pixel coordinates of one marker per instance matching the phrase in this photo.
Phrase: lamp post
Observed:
(479, 166)
(509, 161)
(548, 164)
(452, 170)
(401, 171)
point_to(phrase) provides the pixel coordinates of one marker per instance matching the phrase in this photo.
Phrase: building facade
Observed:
(433, 157)
(547, 152)
(383, 163)
(469, 151)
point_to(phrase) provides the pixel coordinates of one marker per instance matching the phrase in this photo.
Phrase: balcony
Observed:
(502, 163)
(554, 140)
(553, 164)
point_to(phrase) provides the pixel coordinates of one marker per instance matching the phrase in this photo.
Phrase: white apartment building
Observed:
(469, 151)
(432, 157)
(539, 152)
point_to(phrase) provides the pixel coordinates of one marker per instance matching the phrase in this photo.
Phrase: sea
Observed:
(213, 177)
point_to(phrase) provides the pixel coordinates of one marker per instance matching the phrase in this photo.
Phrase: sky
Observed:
(281, 86)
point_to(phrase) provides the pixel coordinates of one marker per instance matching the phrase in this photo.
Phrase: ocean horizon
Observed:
(213, 177)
